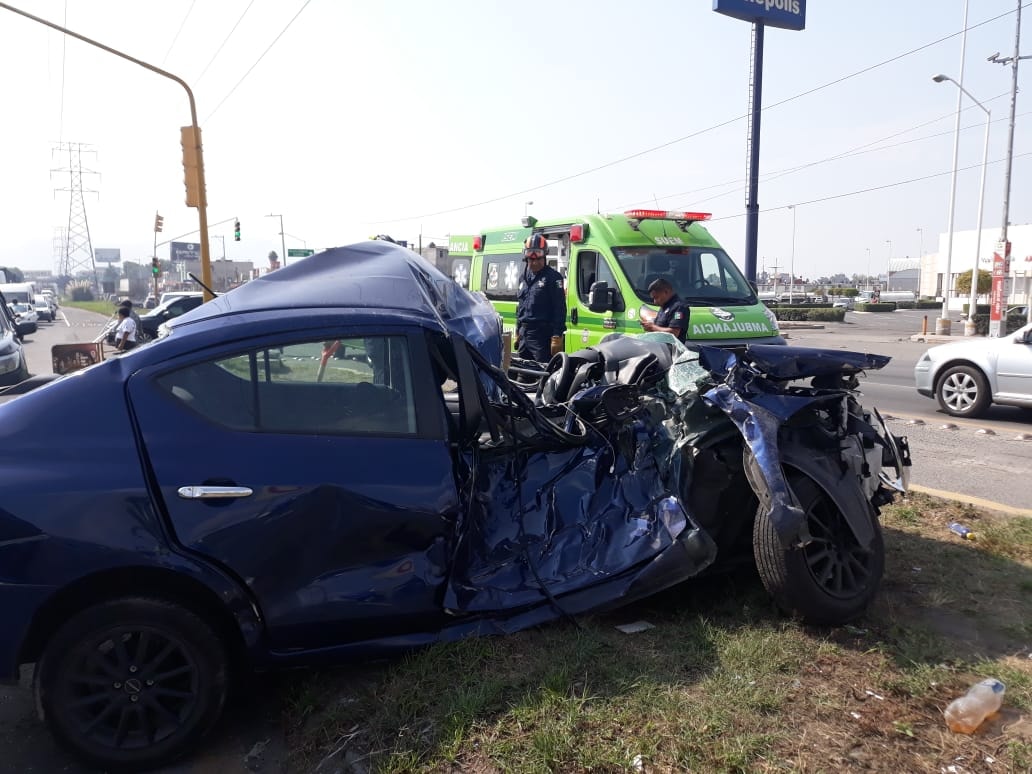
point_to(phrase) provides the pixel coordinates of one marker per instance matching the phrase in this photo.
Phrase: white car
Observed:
(43, 310)
(26, 317)
(966, 376)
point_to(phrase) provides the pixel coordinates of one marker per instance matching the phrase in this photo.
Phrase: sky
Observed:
(418, 119)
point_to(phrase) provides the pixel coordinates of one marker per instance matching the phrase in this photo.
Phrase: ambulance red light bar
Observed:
(478, 242)
(667, 215)
(578, 232)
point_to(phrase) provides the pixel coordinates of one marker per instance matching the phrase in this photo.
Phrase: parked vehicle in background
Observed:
(172, 307)
(166, 297)
(150, 302)
(965, 377)
(843, 302)
(44, 311)
(19, 292)
(13, 367)
(25, 316)
(885, 296)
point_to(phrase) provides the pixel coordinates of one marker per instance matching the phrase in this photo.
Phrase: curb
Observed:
(978, 502)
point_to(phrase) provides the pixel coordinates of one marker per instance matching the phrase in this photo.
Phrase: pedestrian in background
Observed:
(540, 303)
(125, 333)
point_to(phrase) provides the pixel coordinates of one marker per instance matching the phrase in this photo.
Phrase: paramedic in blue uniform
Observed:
(672, 316)
(540, 303)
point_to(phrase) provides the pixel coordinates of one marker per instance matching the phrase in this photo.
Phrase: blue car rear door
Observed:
(317, 470)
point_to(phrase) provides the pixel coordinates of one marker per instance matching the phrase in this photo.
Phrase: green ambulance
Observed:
(609, 260)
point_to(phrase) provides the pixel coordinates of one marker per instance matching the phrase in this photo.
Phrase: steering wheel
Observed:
(699, 283)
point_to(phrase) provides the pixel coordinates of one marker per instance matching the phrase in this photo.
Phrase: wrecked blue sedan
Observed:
(331, 462)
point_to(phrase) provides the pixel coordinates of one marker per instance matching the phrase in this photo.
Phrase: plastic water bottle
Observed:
(966, 714)
(961, 530)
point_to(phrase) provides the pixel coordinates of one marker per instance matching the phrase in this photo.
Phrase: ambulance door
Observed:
(586, 326)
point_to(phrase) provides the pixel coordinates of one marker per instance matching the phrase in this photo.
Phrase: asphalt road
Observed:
(984, 460)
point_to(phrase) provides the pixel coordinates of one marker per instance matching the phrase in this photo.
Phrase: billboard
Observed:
(787, 14)
(184, 251)
(107, 255)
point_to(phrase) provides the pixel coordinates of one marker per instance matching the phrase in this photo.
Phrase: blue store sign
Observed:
(787, 14)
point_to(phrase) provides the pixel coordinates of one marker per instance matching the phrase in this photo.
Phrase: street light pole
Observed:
(969, 324)
(791, 263)
(525, 205)
(868, 268)
(283, 239)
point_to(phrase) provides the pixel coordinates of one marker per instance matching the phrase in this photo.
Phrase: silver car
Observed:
(966, 376)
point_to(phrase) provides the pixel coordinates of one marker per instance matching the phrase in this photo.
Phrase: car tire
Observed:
(133, 683)
(962, 391)
(831, 580)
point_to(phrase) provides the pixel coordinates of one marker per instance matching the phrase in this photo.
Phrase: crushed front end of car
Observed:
(640, 463)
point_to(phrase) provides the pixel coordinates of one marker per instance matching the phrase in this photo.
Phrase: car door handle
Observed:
(213, 492)
(573, 316)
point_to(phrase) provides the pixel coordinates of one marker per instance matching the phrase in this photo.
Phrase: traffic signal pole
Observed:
(201, 205)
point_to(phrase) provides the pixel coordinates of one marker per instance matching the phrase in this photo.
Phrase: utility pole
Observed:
(1001, 259)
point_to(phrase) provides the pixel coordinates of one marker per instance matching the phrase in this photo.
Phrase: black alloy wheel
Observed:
(832, 579)
(132, 683)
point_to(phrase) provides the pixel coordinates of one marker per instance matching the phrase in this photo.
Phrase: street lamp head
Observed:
(940, 78)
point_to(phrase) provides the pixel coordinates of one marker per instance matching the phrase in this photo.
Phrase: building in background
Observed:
(1018, 289)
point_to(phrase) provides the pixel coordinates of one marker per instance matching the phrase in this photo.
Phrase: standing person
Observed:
(540, 303)
(672, 316)
(125, 333)
(132, 312)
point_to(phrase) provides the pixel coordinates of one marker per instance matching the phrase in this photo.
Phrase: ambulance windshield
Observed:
(701, 276)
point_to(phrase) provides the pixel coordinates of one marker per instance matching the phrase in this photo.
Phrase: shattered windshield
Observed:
(701, 276)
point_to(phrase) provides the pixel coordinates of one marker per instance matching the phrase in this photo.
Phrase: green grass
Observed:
(102, 307)
(721, 683)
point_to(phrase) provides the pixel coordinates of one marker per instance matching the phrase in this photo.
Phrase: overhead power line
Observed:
(181, 25)
(223, 44)
(661, 146)
(259, 59)
(868, 190)
(858, 150)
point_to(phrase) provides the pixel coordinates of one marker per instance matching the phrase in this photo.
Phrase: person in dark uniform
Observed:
(672, 316)
(540, 303)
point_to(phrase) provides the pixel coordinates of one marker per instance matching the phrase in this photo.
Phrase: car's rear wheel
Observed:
(132, 683)
(963, 392)
(832, 579)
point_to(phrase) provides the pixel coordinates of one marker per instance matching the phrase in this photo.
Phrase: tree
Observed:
(985, 282)
(272, 256)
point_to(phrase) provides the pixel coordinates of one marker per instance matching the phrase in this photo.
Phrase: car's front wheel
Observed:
(963, 392)
(832, 579)
(132, 683)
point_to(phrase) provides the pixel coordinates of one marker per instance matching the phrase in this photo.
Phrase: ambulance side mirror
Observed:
(599, 297)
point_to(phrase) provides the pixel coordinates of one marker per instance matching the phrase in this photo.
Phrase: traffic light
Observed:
(158, 223)
(190, 139)
(236, 231)
(155, 267)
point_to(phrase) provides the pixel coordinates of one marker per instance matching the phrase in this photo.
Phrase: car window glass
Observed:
(342, 386)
